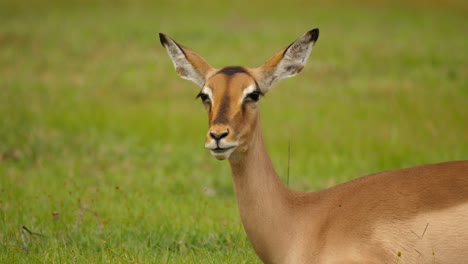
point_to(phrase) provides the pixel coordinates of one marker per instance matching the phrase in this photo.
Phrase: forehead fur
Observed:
(230, 81)
(231, 70)
(228, 90)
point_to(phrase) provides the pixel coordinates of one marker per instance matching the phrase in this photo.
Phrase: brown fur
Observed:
(414, 215)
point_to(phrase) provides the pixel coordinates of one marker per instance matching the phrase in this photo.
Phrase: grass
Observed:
(101, 144)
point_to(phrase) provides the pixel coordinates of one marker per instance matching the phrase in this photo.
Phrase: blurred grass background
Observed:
(101, 143)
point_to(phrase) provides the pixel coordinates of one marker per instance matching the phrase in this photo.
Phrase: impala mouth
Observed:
(219, 150)
(222, 153)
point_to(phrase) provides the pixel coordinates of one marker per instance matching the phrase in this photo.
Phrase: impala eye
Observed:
(253, 96)
(204, 98)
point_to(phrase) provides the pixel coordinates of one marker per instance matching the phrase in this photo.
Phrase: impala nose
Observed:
(219, 136)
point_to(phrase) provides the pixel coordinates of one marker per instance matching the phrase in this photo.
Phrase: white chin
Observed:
(222, 155)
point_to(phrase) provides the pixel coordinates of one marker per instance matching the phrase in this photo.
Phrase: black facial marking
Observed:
(204, 97)
(231, 70)
(314, 34)
(222, 111)
(165, 41)
(162, 39)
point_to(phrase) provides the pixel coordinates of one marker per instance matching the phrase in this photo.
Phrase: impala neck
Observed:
(263, 200)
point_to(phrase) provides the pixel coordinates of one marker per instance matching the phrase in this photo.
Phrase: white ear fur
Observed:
(287, 62)
(187, 63)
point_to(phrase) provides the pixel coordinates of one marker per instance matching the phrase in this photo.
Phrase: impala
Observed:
(412, 215)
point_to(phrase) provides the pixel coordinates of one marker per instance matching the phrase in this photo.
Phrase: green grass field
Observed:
(101, 143)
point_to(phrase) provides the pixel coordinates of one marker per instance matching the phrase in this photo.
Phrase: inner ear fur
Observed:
(286, 62)
(187, 63)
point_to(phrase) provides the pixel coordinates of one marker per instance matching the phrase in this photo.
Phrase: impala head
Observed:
(230, 95)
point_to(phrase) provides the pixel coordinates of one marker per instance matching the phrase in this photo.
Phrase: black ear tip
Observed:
(314, 34)
(163, 39)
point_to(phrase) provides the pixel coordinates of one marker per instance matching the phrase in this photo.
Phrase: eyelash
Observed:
(253, 96)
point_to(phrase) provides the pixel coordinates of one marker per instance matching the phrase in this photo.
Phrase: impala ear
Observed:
(188, 64)
(286, 62)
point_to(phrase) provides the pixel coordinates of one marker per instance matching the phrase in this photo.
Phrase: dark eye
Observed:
(253, 96)
(204, 98)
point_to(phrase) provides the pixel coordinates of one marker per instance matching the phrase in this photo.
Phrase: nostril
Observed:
(219, 136)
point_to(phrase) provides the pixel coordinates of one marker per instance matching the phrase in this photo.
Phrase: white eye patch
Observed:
(207, 90)
(247, 91)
